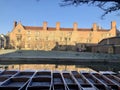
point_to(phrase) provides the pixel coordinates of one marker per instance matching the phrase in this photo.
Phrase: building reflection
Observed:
(43, 67)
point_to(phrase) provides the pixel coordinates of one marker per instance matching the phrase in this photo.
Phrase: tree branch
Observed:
(103, 4)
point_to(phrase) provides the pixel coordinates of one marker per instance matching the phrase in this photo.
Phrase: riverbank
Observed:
(55, 57)
(95, 61)
(56, 54)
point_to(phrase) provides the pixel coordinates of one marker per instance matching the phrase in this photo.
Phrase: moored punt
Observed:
(39, 84)
(42, 80)
(117, 75)
(84, 84)
(14, 84)
(43, 73)
(58, 83)
(5, 75)
(113, 79)
(107, 72)
(111, 75)
(109, 84)
(2, 79)
(70, 82)
(97, 83)
(8, 73)
(24, 74)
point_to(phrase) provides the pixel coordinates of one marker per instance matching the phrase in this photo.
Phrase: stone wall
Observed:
(109, 45)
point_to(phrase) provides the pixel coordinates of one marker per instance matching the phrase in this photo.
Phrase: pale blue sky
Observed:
(33, 13)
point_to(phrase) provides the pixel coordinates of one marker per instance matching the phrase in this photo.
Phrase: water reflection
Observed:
(97, 67)
(43, 66)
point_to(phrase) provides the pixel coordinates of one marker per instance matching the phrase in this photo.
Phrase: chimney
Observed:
(44, 25)
(75, 26)
(15, 24)
(113, 25)
(95, 27)
(113, 28)
(58, 26)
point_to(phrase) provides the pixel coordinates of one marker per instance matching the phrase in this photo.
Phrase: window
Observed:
(69, 33)
(37, 33)
(90, 34)
(28, 32)
(36, 38)
(88, 40)
(28, 45)
(46, 38)
(109, 34)
(65, 38)
(19, 30)
(69, 38)
(19, 37)
(60, 38)
(29, 38)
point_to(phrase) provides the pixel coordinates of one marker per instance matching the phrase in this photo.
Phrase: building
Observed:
(4, 41)
(108, 45)
(47, 38)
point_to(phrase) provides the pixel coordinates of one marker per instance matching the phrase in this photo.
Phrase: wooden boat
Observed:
(14, 84)
(70, 82)
(107, 72)
(42, 80)
(47, 80)
(43, 73)
(99, 85)
(84, 84)
(110, 85)
(24, 74)
(113, 79)
(58, 83)
(116, 75)
(2, 79)
(8, 73)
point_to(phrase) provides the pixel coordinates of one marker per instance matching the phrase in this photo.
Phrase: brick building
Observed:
(46, 38)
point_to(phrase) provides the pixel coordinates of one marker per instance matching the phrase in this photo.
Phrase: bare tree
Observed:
(107, 5)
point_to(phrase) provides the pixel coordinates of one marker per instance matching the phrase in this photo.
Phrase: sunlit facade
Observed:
(46, 38)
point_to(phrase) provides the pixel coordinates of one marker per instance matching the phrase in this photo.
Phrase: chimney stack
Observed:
(15, 24)
(58, 26)
(75, 26)
(113, 28)
(95, 27)
(44, 25)
(113, 25)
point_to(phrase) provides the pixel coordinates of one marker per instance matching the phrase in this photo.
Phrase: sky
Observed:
(33, 13)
